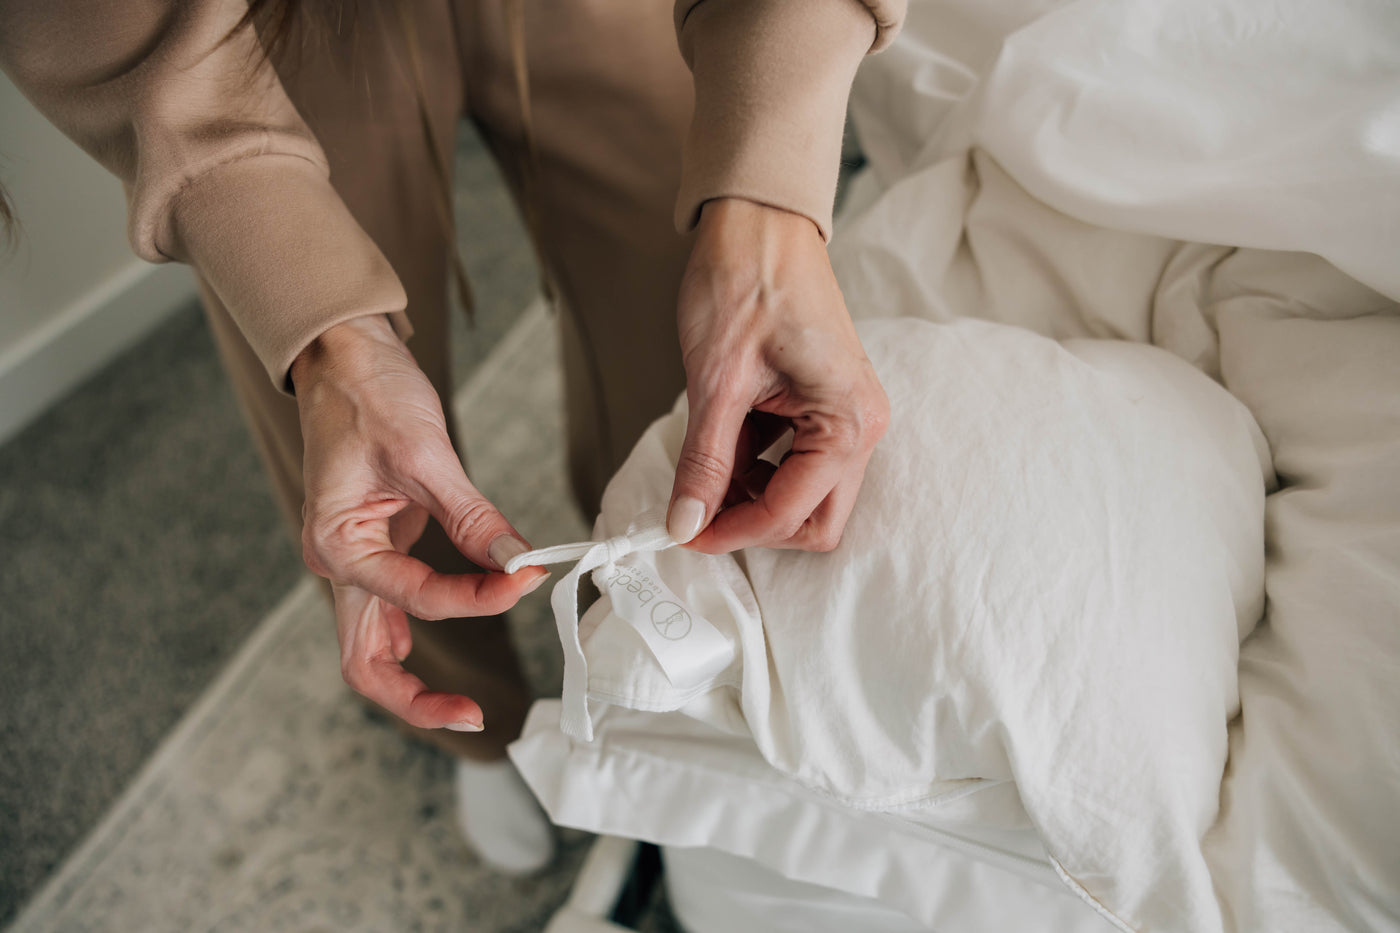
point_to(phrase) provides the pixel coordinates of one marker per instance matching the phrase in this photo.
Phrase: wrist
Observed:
(340, 346)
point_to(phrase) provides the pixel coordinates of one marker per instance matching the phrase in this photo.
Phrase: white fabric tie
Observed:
(646, 533)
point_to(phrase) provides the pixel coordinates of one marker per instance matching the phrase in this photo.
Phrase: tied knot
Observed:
(614, 549)
(646, 533)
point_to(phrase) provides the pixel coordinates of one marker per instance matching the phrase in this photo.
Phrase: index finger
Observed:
(386, 683)
(370, 662)
(800, 485)
(423, 592)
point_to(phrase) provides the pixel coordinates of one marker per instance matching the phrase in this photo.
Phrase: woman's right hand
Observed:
(378, 463)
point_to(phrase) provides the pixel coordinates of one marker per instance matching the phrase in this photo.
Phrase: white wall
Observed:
(72, 295)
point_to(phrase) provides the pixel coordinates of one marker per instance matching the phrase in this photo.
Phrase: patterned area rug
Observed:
(280, 803)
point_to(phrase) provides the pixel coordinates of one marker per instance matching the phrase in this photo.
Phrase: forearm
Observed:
(772, 78)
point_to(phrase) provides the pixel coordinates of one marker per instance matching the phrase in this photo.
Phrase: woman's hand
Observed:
(768, 345)
(377, 463)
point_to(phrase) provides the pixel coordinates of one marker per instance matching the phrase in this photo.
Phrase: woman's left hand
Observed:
(768, 345)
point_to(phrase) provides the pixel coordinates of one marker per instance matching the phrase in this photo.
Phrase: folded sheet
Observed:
(668, 779)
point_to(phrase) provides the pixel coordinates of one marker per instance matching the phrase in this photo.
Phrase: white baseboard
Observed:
(44, 366)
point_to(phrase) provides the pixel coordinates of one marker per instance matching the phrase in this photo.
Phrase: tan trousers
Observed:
(611, 99)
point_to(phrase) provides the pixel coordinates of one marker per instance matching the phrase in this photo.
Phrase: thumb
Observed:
(705, 467)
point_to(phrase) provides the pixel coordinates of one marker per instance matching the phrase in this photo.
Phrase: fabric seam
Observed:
(172, 201)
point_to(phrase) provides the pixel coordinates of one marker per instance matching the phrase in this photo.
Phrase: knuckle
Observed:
(839, 434)
(355, 674)
(787, 527)
(720, 374)
(312, 509)
(470, 518)
(824, 540)
(702, 466)
(846, 434)
(312, 554)
(860, 426)
(414, 459)
(790, 533)
(877, 419)
(874, 405)
(718, 385)
(317, 526)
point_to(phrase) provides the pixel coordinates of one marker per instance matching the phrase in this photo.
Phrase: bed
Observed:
(1221, 185)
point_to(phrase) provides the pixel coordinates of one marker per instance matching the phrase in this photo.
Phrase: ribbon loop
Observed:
(646, 533)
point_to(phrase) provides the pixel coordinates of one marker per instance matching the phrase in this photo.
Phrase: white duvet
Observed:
(1071, 182)
(1077, 186)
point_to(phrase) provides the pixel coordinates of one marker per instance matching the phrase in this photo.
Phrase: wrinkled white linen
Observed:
(1270, 124)
(1045, 579)
(1309, 835)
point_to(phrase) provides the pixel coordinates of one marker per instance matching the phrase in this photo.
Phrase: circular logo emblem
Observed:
(670, 620)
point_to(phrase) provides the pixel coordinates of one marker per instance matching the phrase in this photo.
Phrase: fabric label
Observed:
(687, 646)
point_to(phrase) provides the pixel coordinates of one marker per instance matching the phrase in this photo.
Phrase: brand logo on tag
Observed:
(670, 621)
(687, 645)
(632, 580)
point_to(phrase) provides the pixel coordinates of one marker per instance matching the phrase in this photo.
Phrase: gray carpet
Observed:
(139, 546)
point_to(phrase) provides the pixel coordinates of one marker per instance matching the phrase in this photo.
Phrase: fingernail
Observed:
(464, 726)
(686, 518)
(536, 585)
(504, 547)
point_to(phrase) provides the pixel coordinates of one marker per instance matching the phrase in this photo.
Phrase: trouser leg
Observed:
(363, 108)
(611, 100)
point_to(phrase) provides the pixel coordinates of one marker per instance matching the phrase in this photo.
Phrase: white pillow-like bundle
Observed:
(1045, 580)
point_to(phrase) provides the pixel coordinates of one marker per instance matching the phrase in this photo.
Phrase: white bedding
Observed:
(669, 779)
(1045, 579)
(1308, 833)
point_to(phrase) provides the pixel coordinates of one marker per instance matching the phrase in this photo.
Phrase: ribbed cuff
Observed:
(281, 250)
(771, 84)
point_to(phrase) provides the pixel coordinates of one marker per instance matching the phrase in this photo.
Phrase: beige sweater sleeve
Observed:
(218, 168)
(771, 82)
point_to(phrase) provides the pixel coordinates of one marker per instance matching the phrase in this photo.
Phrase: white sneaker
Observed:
(500, 818)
